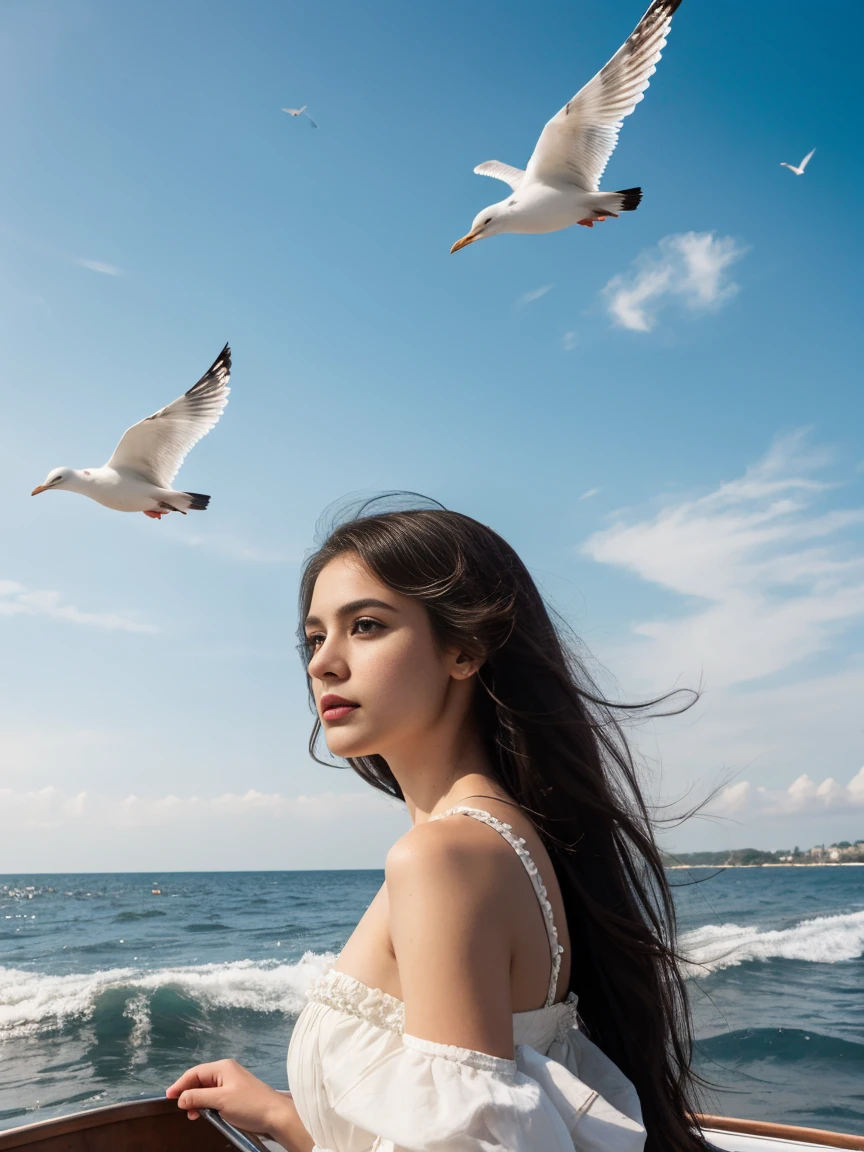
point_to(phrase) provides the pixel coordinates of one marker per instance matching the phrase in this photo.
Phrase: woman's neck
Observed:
(443, 771)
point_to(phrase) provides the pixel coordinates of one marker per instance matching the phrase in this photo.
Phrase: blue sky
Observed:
(693, 362)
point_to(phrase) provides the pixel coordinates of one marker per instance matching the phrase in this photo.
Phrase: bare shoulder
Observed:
(453, 933)
(455, 851)
(453, 841)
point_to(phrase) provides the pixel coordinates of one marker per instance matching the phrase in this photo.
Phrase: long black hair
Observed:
(557, 748)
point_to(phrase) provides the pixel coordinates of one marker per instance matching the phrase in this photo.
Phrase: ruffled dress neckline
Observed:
(538, 1027)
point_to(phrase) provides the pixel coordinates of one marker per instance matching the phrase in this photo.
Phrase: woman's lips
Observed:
(338, 711)
(335, 707)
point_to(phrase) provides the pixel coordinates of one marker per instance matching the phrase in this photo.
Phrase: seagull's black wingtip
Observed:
(631, 198)
(665, 9)
(223, 360)
(220, 366)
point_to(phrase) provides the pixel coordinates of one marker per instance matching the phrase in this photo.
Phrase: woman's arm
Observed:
(451, 927)
(243, 1100)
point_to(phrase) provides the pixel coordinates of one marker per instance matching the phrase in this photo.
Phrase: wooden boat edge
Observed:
(773, 1131)
(81, 1121)
(158, 1106)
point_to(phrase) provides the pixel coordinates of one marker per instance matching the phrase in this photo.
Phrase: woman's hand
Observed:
(243, 1100)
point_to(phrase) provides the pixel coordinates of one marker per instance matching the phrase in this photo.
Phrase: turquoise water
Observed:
(108, 992)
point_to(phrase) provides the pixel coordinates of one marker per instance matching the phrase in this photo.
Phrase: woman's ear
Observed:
(464, 666)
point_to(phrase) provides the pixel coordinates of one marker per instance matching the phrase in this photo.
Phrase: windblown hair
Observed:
(558, 749)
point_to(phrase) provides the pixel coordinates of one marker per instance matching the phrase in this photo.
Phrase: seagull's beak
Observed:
(40, 488)
(465, 241)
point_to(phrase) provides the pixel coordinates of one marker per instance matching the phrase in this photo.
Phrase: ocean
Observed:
(108, 990)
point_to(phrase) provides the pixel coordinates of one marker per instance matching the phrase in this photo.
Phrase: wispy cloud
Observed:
(569, 341)
(535, 294)
(16, 600)
(769, 733)
(769, 578)
(99, 266)
(591, 492)
(51, 807)
(690, 269)
(56, 830)
(232, 548)
(804, 796)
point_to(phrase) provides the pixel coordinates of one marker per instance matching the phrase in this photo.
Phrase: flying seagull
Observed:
(138, 476)
(301, 112)
(799, 171)
(560, 185)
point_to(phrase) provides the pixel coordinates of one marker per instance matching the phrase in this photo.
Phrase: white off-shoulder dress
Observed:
(362, 1084)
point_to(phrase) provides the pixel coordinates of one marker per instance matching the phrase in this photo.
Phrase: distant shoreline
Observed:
(820, 864)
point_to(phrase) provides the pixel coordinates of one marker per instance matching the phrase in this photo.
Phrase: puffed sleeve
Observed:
(592, 1095)
(429, 1097)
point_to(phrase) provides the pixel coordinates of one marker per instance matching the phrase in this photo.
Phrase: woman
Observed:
(513, 985)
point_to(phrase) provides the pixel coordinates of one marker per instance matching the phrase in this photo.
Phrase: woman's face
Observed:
(378, 677)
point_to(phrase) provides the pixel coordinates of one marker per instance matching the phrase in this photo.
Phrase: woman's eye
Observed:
(365, 626)
(314, 641)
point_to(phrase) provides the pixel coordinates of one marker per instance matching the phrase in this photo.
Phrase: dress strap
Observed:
(517, 843)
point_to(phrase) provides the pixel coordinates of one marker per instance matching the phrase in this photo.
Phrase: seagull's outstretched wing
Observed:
(499, 171)
(806, 160)
(575, 145)
(155, 447)
(301, 112)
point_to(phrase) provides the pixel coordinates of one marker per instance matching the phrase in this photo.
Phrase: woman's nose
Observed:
(328, 661)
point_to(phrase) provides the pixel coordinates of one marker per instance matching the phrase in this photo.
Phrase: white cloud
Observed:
(99, 266)
(530, 297)
(569, 341)
(769, 580)
(16, 600)
(49, 829)
(51, 808)
(690, 268)
(777, 731)
(591, 492)
(803, 797)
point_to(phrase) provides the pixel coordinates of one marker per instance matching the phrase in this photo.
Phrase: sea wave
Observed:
(32, 1002)
(822, 940)
(782, 1046)
(131, 917)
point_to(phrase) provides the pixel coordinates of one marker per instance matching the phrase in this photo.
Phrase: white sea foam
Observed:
(138, 1011)
(31, 1002)
(823, 940)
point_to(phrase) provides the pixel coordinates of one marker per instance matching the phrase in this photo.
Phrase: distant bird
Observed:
(301, 112)
(138, 476)
(560, 185)
(799, 171)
